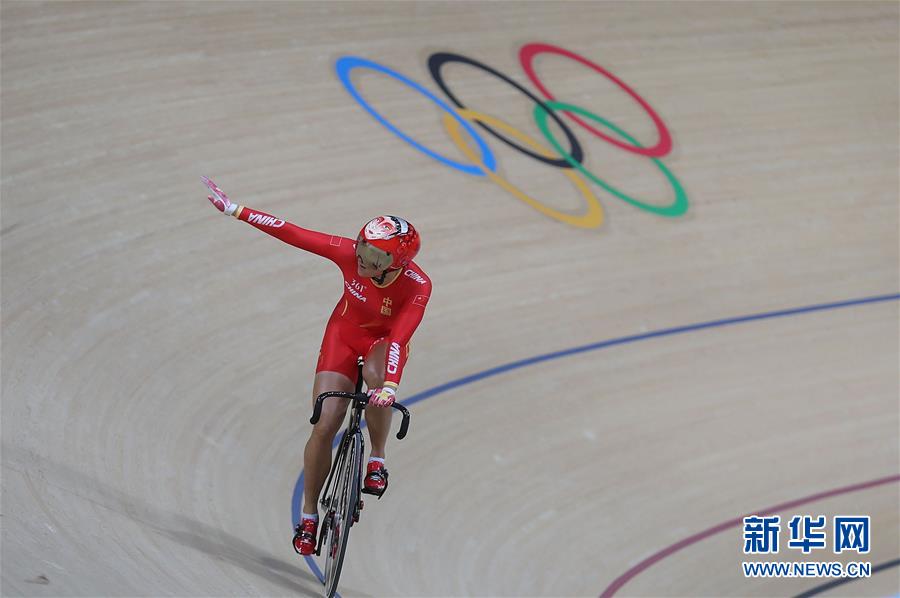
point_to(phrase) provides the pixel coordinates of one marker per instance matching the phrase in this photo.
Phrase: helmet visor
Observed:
(372, 257)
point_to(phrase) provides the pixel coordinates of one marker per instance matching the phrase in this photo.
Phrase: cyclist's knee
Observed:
(328, 425)
(373, 369)
(323, 434)
(374, 381)
(373, 374)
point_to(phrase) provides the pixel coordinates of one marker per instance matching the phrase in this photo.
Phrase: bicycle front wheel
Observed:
(343, 504)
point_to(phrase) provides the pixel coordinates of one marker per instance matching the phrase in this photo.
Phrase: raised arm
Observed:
(328, 246)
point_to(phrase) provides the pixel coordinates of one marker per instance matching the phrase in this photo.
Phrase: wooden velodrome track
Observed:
(157, 358)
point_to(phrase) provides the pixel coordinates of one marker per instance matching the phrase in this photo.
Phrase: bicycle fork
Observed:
(342, 453)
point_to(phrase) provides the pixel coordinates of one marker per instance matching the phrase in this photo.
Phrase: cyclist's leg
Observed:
(317, 455)
(335, 371)
(378, 419)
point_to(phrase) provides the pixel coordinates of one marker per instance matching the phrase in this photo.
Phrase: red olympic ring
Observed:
(662, 147)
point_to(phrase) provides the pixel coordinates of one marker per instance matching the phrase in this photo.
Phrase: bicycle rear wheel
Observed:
(341, 509)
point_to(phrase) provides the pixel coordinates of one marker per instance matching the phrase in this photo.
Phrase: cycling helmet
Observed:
(387, 243)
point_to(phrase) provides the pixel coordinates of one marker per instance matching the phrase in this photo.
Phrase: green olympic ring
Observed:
(678, 207)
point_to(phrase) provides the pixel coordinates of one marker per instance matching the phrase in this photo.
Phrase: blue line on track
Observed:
(624, 340)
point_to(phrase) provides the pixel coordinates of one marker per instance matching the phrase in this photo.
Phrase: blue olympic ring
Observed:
(348, 63)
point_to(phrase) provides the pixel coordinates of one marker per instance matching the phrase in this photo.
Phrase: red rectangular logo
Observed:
(421, 300)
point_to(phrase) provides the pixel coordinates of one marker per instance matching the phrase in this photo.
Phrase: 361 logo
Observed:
(570, 161)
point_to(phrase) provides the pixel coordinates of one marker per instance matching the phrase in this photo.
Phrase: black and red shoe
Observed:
(305, 536)
(376, 481)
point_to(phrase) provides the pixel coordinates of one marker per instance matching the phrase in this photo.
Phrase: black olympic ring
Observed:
(439, 59)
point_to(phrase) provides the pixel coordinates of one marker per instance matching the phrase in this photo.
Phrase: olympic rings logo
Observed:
(482, 161)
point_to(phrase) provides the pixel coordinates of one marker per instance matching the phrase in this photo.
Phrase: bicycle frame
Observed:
(353, 428)
(341, 494)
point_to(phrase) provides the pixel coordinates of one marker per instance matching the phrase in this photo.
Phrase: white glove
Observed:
(382, 397)
(218, 198)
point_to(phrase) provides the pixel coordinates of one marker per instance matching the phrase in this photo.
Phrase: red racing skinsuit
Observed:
(366, 313)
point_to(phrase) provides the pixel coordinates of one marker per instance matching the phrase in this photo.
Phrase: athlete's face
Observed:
(365, 269)
(370, 261)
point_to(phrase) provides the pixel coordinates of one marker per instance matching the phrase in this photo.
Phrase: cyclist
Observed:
(384, 299)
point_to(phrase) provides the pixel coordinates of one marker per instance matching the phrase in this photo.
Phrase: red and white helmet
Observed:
(388, 242)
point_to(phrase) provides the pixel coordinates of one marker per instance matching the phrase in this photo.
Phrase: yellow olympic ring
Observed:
(592, 218)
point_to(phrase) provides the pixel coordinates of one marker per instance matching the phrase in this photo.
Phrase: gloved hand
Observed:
(382, 397)
(218, 198)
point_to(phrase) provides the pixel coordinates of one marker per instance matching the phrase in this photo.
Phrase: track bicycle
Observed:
(341, 499)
